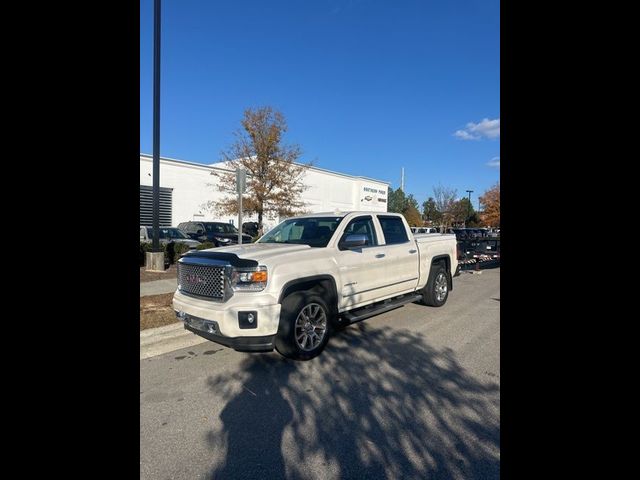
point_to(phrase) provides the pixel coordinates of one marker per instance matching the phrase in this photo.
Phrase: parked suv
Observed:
(166, 235)
(218, 233)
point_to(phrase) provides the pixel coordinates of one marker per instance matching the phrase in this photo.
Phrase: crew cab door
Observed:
(401, 255)
(361, 268)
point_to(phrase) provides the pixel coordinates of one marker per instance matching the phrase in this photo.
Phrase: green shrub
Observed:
(169, 251)
(174, 251)
(205, 245)
(179, 249)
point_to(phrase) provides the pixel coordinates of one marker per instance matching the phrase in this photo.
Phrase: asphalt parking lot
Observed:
(412, 393)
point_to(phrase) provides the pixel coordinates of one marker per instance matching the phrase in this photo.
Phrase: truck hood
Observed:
(259, 251)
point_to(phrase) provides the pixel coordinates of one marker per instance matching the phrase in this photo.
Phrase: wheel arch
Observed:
(323, 285)
(446, 261)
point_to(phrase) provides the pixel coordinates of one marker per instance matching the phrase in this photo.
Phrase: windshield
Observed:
(312, 231)
(220, 228)
(168, 233)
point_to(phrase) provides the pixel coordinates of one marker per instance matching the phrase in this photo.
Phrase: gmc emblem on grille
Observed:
(194, 279)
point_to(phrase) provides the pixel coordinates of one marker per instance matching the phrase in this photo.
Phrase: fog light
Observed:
(248, 319)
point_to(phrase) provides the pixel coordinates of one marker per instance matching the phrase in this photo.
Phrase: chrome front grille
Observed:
(201, 280)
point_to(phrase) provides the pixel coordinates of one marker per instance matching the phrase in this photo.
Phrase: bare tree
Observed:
(274, 178)
(445, 199)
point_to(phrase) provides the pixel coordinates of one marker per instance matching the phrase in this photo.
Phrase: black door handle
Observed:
(380, 255)
(413, 251)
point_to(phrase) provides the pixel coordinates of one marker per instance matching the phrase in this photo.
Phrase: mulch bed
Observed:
(156, 311)
(170, 272)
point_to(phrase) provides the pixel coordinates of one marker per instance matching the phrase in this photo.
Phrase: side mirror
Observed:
(353, 241)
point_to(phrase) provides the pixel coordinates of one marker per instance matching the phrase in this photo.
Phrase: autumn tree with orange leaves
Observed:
(274, 178)
(490, 202)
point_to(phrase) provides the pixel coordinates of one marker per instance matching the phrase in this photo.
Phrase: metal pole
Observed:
(241, 178)
(240, 219)
(156, 127)
(469, 208)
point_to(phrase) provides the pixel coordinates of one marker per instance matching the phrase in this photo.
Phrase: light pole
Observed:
(468, 209)
(155, 258)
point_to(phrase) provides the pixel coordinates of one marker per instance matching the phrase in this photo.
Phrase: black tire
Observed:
(303, 305)
(432, 293)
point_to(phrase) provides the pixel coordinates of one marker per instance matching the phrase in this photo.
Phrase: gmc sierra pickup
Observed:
(309, 276)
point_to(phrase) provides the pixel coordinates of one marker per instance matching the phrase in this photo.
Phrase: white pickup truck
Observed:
(309, 276)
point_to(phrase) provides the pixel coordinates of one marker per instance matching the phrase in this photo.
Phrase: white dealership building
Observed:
(186, 188)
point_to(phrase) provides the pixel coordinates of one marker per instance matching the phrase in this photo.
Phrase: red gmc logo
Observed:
(194, 279)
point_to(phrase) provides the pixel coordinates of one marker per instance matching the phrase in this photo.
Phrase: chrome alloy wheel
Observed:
(441, 287)
(310, 327)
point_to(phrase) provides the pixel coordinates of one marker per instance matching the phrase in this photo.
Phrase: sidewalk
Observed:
(158, 287)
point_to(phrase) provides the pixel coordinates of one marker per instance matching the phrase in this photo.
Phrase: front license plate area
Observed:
(208, 326)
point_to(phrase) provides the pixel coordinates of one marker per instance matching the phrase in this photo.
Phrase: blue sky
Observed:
(366, 86)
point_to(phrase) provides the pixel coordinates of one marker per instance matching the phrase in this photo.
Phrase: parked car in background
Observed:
(250, 228)
(218, 233)
(460, 233)
(424, 230)
(167, 234)
(469, 233)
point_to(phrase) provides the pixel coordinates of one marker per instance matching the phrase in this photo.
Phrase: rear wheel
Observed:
(436, 291)
(304, 326)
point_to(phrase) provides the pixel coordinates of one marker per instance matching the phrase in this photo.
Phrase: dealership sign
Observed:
(373, 195)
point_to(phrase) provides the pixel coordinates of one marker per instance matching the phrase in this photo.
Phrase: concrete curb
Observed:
(160, 340)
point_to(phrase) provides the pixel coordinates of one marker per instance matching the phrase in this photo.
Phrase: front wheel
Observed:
(304, 326)
(436, 291)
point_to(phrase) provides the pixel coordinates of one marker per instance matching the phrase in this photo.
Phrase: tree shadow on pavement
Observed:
(378, 403)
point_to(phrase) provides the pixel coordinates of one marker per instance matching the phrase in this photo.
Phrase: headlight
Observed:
(249, 279)
(222, 240)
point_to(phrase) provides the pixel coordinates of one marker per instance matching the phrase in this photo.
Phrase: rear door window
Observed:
(393, 230)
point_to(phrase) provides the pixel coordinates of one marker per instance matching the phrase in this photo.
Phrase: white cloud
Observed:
(494, 162)
(475, 131)
(465, 135)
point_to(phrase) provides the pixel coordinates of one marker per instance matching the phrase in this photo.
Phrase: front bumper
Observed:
(210, 331)
(219, 322)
